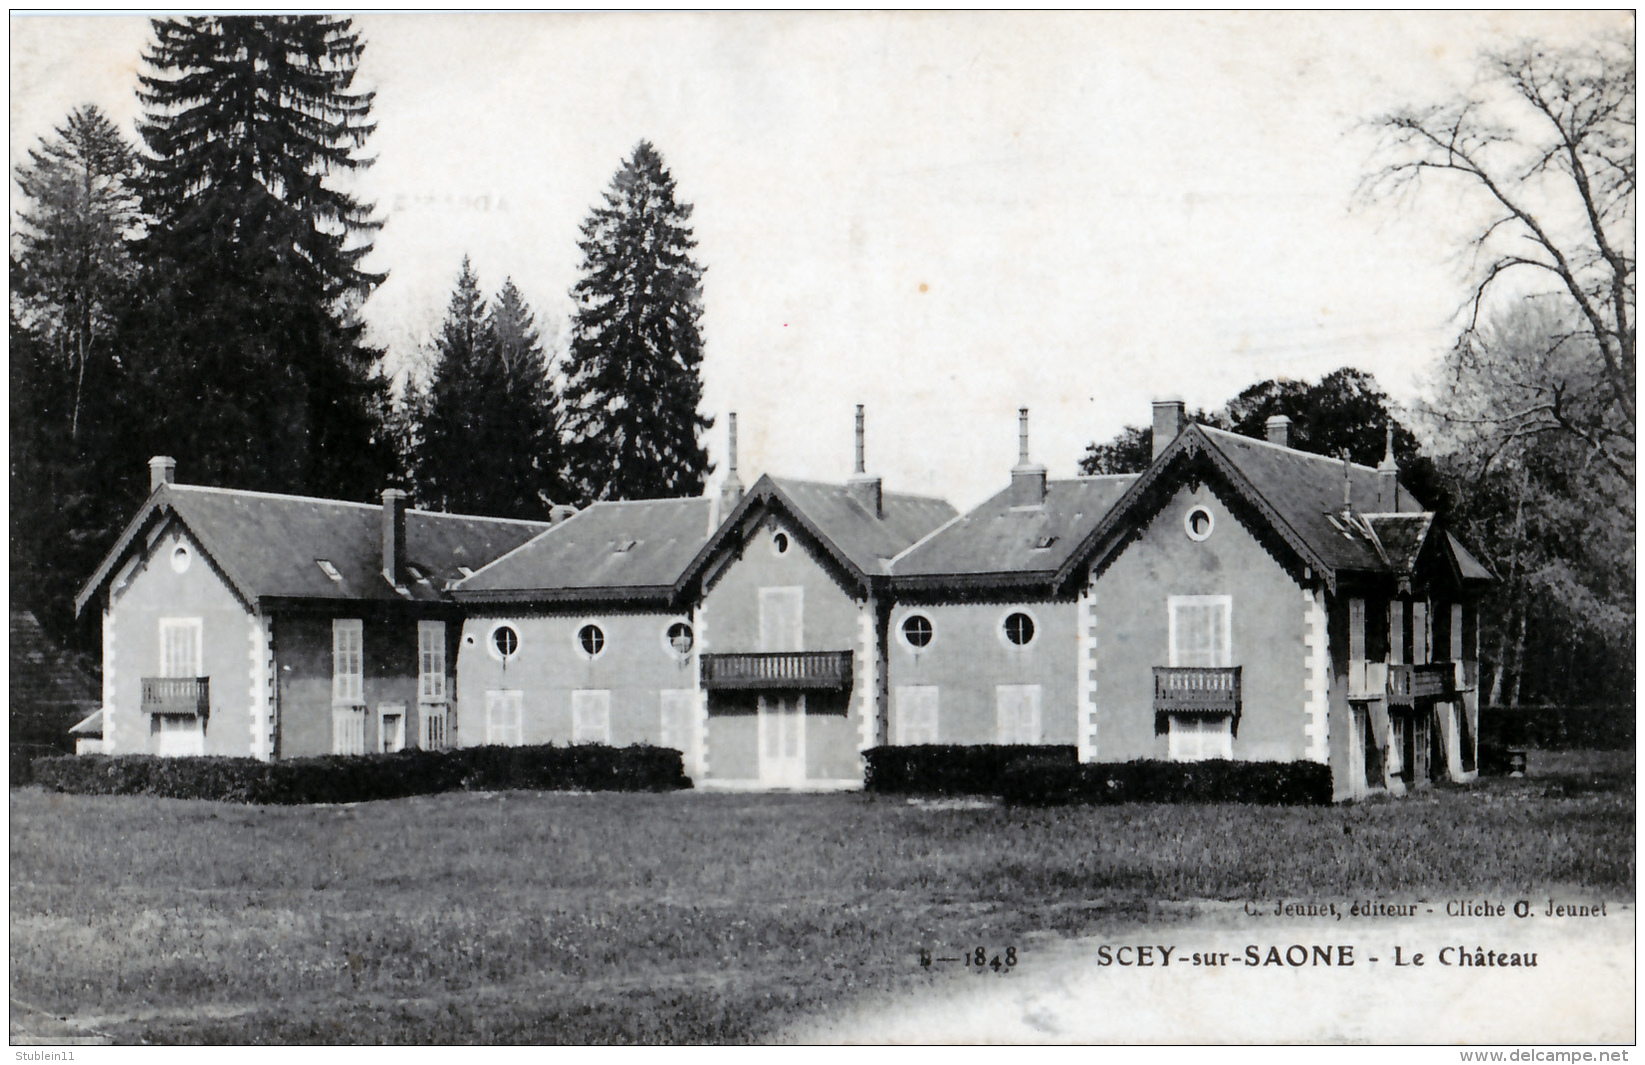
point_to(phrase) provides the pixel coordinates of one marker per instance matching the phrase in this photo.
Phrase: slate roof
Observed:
(90, 725)
(869, 542)
(997, 538)
(1401, 537)
(268, 546)
(609, 550)
(50, 686)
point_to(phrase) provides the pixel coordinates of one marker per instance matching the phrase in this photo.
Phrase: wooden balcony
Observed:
(1196, 689)
(1407, 684)
(778, 671)
(176, 695)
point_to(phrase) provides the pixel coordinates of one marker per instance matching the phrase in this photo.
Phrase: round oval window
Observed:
(591, 640)
(916, 630)
(1199, 523)
(1019, 629)
(506, 640)
(180, 559)
(779, 543)
(679, 637)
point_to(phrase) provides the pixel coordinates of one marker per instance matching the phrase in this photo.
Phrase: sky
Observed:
(942, 216)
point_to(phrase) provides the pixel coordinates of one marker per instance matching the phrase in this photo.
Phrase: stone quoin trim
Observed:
(699, 723)
(1315, 684)
(261, 731)
(1085, 659)
(868, 664)
(109, 666)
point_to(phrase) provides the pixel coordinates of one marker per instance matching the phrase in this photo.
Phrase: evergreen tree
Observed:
(487, 442)
(254, 367)
(633, 375)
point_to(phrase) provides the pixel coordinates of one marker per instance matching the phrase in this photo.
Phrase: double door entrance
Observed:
(781, 717)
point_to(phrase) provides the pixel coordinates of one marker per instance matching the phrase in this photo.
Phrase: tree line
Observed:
(197, 293)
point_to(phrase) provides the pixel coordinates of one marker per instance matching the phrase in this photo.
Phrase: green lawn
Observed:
(527, 917)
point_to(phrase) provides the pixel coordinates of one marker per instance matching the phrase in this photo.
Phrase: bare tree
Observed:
(1546, 142)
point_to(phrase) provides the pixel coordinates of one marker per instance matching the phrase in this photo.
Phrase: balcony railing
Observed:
(779, 670)
(176, 695)
(1196, 689)
(1408, 683)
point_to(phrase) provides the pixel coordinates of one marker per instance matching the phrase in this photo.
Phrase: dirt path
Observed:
(1581, 989)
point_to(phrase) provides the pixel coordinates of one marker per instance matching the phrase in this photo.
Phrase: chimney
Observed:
(1347, 485)
(1169, 419)
(1027, 479)
(394, 534)
(864, 488)
(1279, 430)
(560, 512)
(731, 489)
(1388, 478)
(162, 470)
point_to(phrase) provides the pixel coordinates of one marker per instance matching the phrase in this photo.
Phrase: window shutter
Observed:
(782, 619)
(347, 672)
(1456, 632)
(1356, 630)
(431, 658)
(676, 731)
(591, 716)
(503, 713)
(916, 714)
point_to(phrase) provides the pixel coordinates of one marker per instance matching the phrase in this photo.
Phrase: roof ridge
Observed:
(288, 497)
(637, 502)
(844, 487)
(1092, 477)
(1283, 447)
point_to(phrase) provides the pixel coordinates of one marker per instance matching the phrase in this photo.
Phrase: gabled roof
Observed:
(860, 542)
(90, 725)
(270, 546)
(619, 550)
(1471, 568)
(1298, 494)
(1401, 537)
(1014, 544)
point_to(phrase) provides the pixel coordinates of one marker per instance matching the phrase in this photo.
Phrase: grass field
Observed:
(526, 917)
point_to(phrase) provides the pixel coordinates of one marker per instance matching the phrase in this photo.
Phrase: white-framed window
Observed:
(591, 716)
(1017, 628)
(590, 640)
(503, 714)
(782, 619)
(1200, 630)
(431, 661)
(347, 662)
(348, 730)
(678, 719)
(678, 638)
(503, 642)
(916, 631)
(180, 650)
(1198, 523)
(180, 558)
(391, 728)
(1456, 632)
(916, 714)
(1017, 713)
(1196, 737)
(432, 726)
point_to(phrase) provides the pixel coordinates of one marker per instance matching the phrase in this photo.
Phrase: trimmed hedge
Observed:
(361, 778)
(952, 769)
(1266, 783)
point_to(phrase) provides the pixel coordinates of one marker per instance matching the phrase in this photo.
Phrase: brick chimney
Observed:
(1027, 479)
(394, 534)
(865, 489)
(162, 470)
(1388, 478)
(1170, 418)
(1279, 430)
(731, 489)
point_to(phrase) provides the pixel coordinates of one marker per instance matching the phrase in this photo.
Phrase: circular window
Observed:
(591, 639)
(180, 558)
(1019, 629)
(917, 631)
(779, 543)
(679, 638)
(505, 640)
(1199, 523)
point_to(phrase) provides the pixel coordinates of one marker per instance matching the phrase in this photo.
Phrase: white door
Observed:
(181, 735)
(782, 740)
(1017, 710)
(433, 717)
(391, 728)
(781, 619)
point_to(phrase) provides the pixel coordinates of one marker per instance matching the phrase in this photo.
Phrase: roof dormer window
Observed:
(328, 569)
(1044, 542)
(623, 547)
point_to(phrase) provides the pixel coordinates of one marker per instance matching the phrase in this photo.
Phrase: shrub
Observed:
(951, 769)
(361, 778)
(1556, 728)
(1267, 783)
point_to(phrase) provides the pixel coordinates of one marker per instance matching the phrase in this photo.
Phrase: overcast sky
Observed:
(941, 216)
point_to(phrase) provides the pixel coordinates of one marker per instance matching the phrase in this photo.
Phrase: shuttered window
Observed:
(347, 661)
(677, 706)
(503, 713)
(1195, 737)
(916, 714)
(1017, 710)
(431, 661)
(591, 716)
(348, 730)
(1199, 630)
(180, 647)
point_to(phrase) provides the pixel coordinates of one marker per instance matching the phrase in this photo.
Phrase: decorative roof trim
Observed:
(764, 492)
(1189, 444)
(157, 504)
(648, 593)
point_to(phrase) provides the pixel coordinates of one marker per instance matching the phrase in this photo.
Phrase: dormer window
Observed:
(623, 547)
(328, 569)
(1044, 542)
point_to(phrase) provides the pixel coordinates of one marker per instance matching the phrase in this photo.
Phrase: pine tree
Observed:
(487, 442)
(633, 375)
(252, 350)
